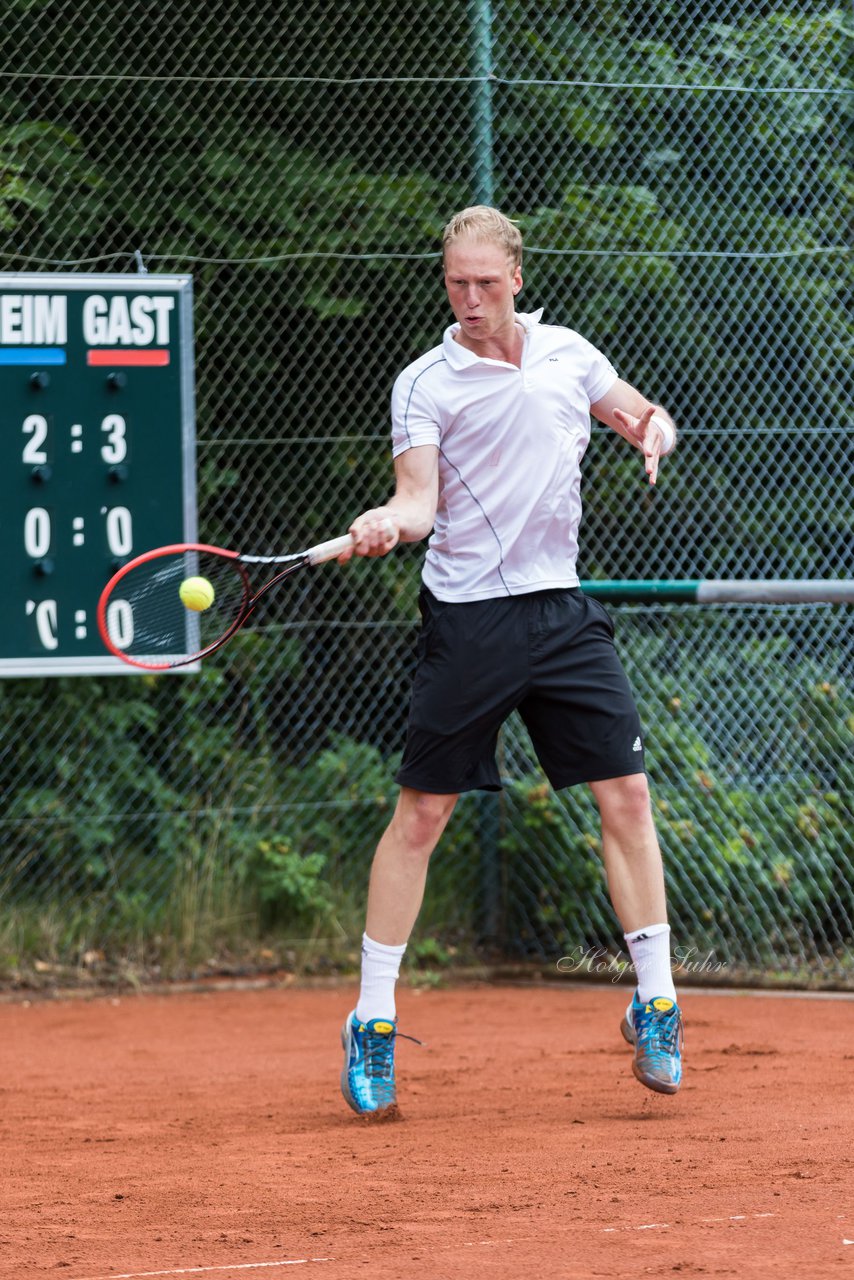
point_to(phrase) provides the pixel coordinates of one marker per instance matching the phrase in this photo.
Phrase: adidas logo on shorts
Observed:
(636, 745)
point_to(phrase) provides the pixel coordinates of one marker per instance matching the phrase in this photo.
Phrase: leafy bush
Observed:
(759, 868)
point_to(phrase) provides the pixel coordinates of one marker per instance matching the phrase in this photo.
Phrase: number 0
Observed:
(119, 531)
(37, 532)
(120, 623)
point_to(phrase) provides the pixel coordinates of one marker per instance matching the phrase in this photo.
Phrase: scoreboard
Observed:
(97, 452)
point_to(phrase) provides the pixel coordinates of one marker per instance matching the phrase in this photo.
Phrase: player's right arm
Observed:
(408, 516)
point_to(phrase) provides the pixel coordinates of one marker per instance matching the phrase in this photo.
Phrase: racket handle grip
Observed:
(329, 550)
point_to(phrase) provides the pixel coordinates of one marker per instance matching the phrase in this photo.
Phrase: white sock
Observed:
(380, 967)
(649, 949)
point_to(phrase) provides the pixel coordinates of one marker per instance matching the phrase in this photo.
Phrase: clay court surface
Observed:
(203, 1135)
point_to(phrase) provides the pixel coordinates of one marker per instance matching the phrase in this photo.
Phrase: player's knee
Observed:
(422, 818)
(625, 802)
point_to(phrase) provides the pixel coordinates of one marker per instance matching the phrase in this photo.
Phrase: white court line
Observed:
(666, 1226)
(738, 1217)
(468, 1244)
(197, 1271)
(646, 1226)
(474, 1244)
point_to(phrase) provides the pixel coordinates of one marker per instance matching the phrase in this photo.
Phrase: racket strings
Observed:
(145, 616)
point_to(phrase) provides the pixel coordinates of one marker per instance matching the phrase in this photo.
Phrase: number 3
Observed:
(115, 449)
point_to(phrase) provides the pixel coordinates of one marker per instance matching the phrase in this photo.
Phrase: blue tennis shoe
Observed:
(367, 1077)
(654, 1028)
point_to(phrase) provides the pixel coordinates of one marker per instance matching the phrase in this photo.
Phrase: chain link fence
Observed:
(679, 172)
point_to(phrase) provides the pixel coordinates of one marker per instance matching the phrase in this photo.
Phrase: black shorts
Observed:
(550, 655)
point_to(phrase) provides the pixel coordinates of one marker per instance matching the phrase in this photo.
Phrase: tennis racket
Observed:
(143, 620)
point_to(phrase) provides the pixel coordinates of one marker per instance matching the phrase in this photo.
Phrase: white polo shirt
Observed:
(510, 446)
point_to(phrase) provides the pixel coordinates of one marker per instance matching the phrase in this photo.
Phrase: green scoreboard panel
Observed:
(97, 452)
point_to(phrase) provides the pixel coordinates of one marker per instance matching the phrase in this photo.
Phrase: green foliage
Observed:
(190, 806)
(747, 857)
(742, 852)
(428, 953)
(301, 859)
(216, 832)
(224, 841)
(621, 180)
(42, 165)
(565, 906)
(288, 883)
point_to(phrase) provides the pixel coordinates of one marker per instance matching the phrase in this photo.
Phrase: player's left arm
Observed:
(647, 426)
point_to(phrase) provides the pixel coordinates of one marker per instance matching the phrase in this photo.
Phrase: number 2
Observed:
(35, 426)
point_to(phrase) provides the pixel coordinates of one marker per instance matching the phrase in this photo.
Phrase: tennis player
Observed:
(489, 429)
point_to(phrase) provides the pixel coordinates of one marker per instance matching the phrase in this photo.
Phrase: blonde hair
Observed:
(480, 222)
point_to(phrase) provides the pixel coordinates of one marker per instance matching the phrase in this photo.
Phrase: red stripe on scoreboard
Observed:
(152, 358)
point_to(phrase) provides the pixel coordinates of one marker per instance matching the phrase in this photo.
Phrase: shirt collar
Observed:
(460, 357)
(529, 319)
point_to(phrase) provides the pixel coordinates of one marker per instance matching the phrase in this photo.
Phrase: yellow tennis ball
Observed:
(196, 593)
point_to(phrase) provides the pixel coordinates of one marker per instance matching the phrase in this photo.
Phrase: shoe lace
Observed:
(661, 1034)
(379, 1053)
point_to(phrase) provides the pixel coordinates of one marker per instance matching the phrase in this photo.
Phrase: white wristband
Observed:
(668, 434)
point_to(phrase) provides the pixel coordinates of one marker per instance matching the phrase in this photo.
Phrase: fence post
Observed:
(483, 174)
(482, 70)
(488, 916)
